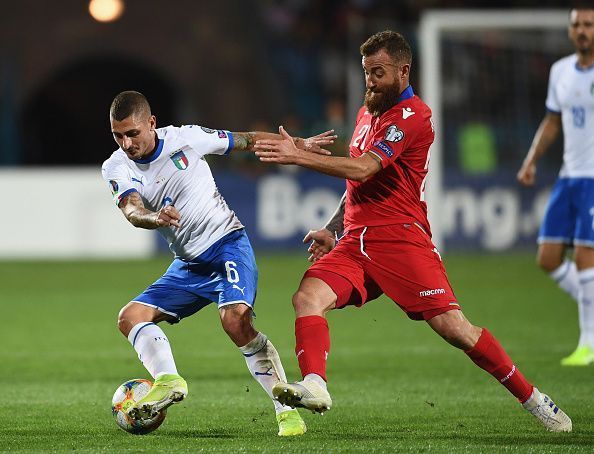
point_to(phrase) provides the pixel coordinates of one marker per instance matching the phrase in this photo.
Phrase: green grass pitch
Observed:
(396, 386)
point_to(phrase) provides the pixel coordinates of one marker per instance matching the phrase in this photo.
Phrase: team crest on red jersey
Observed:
(393, 134)
(179, 159)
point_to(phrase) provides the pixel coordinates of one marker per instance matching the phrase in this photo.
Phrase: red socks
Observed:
(490, 356)
(313, 344)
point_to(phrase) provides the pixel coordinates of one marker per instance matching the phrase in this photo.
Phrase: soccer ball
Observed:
(125, 396)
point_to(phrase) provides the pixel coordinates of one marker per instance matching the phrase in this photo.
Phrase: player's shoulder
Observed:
(190, 133)
(564, 63)
(168, 132)
(362, 111)
(117, 159)
(410, 112)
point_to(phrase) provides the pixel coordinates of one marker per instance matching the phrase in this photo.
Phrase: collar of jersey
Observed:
(584, 70)
(152, 157)
(406, 94)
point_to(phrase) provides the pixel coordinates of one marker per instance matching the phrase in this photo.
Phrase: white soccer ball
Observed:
(125, 396)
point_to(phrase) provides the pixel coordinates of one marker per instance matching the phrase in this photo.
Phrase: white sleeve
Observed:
(552, 102)
(207, 141)
(118, 179)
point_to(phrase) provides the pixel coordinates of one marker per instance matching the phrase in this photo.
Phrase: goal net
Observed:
(484, 74)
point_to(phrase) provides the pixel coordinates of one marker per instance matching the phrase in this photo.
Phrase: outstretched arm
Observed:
(134, 210)
(324, 240)
(545, 135)
(285, 152)
(314, 144)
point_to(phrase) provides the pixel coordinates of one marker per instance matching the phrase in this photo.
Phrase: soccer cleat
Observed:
(306, 393)
(167, 390)
(545, 410)
(290, 424)
(582, 356)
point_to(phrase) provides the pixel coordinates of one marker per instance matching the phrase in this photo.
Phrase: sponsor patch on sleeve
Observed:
(114, 186)
(393, 134)
(382, 146)
(222, 134)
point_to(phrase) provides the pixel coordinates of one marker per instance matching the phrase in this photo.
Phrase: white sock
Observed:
(315, 377)
(265, 366)
(567, 278)
(152, 346)
(586, 307)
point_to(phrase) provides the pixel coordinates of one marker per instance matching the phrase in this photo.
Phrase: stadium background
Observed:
(294, 63)
(253, 65)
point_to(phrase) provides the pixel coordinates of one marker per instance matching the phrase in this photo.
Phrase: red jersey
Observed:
(400, 138)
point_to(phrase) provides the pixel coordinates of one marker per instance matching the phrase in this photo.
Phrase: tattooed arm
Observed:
(134, 210)
(336, 222)
(246, 140)
(323, 240)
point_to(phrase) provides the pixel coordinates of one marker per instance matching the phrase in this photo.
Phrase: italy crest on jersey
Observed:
(179, 159)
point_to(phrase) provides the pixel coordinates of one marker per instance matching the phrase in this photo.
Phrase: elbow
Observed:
(358, 178)
(361, 175)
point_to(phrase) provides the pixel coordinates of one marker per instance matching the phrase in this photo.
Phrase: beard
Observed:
(379, 102)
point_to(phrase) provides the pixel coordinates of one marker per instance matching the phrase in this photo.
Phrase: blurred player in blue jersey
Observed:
(160, 180)
(569, 218)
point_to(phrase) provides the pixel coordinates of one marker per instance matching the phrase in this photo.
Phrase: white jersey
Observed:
(571, 94)
(177, 174)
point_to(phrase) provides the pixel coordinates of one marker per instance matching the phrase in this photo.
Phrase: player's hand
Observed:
(315, 143)
(527, 174)
(168, 216)
(279, 151)
(322, 242)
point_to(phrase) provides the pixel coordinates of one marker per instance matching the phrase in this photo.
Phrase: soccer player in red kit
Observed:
(386, 243)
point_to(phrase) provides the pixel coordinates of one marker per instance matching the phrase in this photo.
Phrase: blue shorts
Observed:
(569, 217)
(225, 273)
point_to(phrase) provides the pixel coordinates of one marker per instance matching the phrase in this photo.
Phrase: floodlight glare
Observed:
(106, 10)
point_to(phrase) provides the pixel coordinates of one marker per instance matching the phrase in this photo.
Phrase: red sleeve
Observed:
(392, 135)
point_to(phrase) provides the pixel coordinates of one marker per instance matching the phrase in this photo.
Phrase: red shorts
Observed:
(399, 260)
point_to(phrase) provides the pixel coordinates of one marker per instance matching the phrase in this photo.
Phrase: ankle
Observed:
(317, 379)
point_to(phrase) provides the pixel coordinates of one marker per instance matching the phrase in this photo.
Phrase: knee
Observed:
(308, 302)
(124, 322)
(132, 314)
(547, 264)
(237, 323)
(300, 300)
(549, 260)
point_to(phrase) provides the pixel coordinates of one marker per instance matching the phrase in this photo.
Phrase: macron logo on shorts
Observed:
(435, 291)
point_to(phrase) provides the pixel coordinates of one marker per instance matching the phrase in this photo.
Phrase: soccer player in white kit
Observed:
(160, 180)
(569, 218)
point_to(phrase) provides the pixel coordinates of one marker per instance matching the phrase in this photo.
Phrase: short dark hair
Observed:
(396, 46)
(581, 5)
(129, 103)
